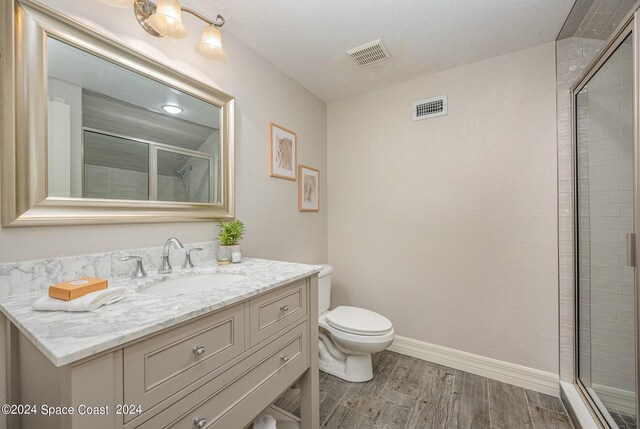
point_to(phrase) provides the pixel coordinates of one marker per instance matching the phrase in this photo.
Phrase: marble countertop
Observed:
(66, 337)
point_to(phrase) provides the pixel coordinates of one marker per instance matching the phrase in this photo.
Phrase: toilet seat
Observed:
(355, 338)
(358, 321)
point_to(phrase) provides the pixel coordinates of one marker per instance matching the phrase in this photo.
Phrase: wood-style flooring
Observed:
(414, 394)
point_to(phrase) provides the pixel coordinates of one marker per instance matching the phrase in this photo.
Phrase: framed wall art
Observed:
(309, 189)
(283, 152)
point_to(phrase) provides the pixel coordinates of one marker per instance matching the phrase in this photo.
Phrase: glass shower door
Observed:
(605, 223)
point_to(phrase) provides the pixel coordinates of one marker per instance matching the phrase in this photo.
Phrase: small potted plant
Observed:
(229, 235)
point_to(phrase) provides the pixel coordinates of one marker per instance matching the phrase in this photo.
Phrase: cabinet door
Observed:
(96, 390)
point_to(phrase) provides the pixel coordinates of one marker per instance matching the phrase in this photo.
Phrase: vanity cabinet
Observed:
(219, 370)
(244, 391)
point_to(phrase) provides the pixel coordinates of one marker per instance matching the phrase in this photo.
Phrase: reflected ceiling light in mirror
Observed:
(118, 3)
(173, 109)
(164, 18)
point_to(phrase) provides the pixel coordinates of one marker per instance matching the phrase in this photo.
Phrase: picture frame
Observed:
(283, 152)
(308, 189)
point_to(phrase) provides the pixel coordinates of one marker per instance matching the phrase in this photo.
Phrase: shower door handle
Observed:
(631, 249)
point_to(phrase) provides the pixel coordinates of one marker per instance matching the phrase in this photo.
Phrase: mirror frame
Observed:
(25, 25)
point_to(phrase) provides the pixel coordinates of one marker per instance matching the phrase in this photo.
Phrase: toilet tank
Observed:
(324, 288)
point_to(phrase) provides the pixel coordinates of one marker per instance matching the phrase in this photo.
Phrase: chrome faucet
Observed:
(138, 272)
(165, 268)
(188, 263)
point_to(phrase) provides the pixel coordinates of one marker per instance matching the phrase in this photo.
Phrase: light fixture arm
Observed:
(219, 22)
(143, 9)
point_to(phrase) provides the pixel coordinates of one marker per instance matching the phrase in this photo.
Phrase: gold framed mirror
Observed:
(94, 132)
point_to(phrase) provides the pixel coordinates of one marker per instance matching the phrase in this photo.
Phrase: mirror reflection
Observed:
(115, 134)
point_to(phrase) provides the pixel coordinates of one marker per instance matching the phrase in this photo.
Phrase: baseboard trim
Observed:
(518, 375)
(623, 400)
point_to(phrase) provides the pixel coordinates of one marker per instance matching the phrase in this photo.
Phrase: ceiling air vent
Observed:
(430, 108)
(369, 53)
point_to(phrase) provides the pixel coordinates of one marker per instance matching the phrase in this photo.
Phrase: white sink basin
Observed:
(190, 284)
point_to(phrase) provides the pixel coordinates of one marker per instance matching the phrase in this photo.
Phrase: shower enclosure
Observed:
(605, 113)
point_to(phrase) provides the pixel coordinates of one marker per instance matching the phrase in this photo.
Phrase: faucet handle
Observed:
(187, 257)
(138, 272)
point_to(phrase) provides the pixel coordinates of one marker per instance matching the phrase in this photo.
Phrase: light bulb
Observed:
(118, 3)
(167, 19)
(210, 44)
(170, 108)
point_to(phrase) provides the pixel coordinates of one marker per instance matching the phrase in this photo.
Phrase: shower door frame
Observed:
(630, 26)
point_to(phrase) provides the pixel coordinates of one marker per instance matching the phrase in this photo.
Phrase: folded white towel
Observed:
(264, 422)
(88, 302)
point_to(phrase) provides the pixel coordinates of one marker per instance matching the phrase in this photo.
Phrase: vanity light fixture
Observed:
(170, 108)
(167, 19)
(210, 44)
(164, 18)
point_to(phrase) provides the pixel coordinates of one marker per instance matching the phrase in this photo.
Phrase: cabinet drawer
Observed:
(237, 395)
(274, 311)
(156, 368)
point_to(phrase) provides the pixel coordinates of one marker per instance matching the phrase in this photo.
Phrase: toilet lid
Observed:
(358, 321)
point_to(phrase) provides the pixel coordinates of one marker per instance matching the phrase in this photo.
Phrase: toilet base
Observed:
(354, 368)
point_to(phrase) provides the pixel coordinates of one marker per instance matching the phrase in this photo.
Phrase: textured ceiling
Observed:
(308, 39)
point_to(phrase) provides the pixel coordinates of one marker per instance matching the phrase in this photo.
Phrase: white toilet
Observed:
(348, 335)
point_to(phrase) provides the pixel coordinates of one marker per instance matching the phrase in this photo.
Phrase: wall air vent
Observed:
(430, 108)
(369, 53)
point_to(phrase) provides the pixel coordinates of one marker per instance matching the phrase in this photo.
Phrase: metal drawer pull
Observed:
(284, 358)
(284, 307)
(199, 422)
(198, 350)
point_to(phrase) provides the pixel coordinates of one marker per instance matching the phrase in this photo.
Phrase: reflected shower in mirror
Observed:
(116, 134)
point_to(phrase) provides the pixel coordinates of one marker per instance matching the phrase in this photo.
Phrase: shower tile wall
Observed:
(109, 182)
(573, 55)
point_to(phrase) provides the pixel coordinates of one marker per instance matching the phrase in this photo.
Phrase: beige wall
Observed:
(448, 226)
(268, 206)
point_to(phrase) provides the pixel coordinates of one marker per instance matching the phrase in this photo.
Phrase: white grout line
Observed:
(453, 391)
(486, 380)
(391, 373)
(528, 405)
(565, 413)
(337, 404)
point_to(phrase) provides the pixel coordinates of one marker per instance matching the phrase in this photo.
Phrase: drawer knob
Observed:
(198, 350)
(284, 358)
(284, 307)
(199, 422)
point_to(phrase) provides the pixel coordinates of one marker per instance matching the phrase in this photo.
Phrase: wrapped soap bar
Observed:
(76, 288)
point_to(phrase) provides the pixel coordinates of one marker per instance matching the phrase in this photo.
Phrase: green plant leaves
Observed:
(231, 232)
